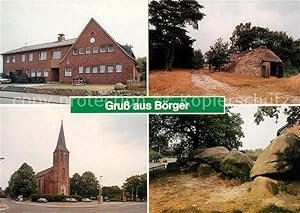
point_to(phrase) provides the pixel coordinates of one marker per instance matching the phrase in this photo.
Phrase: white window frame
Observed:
(23, 58)
(46, 74)
(120, 66)
(32, 73)
(87, 70)
(108, 68)
(68, 72)
(81, 52)
(102, 69)
(14, 59)
(75, 51)
(80, 69)
(88, 50)
(102, 48)
(38, 73)
(30, 57)
(95, 49)
(43, 56)
(110, 48)
(95, 70)
(7, 59)
(56, 54)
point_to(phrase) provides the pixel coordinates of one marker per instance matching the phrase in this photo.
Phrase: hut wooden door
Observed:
(265, 71)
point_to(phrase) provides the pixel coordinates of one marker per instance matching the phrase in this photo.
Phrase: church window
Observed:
(64, 173)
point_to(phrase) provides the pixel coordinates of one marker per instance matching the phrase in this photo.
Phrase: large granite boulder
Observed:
(237, 164)
(280, 160)
(264, 187)
(212, 156)
(205, 170)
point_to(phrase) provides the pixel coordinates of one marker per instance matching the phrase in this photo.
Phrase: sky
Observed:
(38, 21)
(223, 15)
(258, 136)
(103, 144)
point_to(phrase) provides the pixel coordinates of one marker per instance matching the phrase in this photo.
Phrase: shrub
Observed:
(77, 197)
(59, 198)
(22, 78)
(274, 209)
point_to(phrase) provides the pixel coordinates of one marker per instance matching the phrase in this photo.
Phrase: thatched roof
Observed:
(249, 63)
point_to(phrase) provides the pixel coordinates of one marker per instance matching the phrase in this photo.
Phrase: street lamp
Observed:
(100, 199)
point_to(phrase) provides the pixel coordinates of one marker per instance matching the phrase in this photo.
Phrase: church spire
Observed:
(61, 144)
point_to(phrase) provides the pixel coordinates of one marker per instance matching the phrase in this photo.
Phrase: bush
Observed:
(274, 209)
(77, 197)
(291, 71)
(22, 78)
(50, 198)
(59, 198)
(154, 156)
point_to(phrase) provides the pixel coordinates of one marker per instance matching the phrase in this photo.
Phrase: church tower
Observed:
(61, 183)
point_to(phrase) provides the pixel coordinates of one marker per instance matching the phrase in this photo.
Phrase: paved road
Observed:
(30, 98)
(112, 207)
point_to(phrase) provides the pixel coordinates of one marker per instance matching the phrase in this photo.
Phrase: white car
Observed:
(4, 80)
(86, 200)
(70, 199)
(42, 200)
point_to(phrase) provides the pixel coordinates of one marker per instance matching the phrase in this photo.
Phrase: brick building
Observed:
(94, 55)
(55, 180)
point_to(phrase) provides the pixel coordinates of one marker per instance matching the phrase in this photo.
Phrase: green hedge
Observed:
(54, 198)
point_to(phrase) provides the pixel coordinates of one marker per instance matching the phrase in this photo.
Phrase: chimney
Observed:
(61, 37)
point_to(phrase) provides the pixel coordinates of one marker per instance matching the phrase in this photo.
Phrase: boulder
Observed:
(264, 187)
(212, 156)
(205, 170)
(280, 160)
(173, 167)
(237, 164)
(120, 86)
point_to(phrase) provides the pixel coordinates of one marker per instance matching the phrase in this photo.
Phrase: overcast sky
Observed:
(114, 146)
(223, 15)
(38, 21)
(258, 136)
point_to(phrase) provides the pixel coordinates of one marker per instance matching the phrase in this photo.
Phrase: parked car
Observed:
(70, 199)
(20, 198)
(4, 80)
(42, 200)
(86, 200)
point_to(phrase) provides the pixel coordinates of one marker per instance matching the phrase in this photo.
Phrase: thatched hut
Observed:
(257, 62)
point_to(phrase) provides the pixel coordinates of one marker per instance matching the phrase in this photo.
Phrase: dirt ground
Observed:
(236, 88)
(188, 194)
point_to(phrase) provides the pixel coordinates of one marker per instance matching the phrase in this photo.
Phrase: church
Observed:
(55, 180)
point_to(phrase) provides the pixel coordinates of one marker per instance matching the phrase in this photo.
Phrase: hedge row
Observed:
(54, 198)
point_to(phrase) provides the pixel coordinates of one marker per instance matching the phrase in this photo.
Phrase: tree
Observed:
(154, 156)
(86, 185)
(112, 193)
(142, 66)
(22, 182)
(292, 113)
(136, 182)
(190, 132)
(218, 55)
(169, 17)
(198, 59)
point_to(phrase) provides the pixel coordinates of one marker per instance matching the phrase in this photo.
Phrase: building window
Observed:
(42, 56)
(81, 50)
(23, 57)
(63, 190)
(119, 68)
(56, 54)
(102, 48)
(80, 69)
(14, 59)
(94, 69)
(64, 174)
(95, 49)
(7, 59)
(38, 73)
(68, 71)
(45, 72)
(88, 50)
(30, 57)
(87, 70)
(32, 73)
(110, 68)
(75, 51)
(110, 48)
(102, 69)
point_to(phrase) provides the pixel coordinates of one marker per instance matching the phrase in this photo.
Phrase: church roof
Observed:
(61, 143)
(44, 172)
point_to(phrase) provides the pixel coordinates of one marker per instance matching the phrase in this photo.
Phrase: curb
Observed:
(55, 206)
